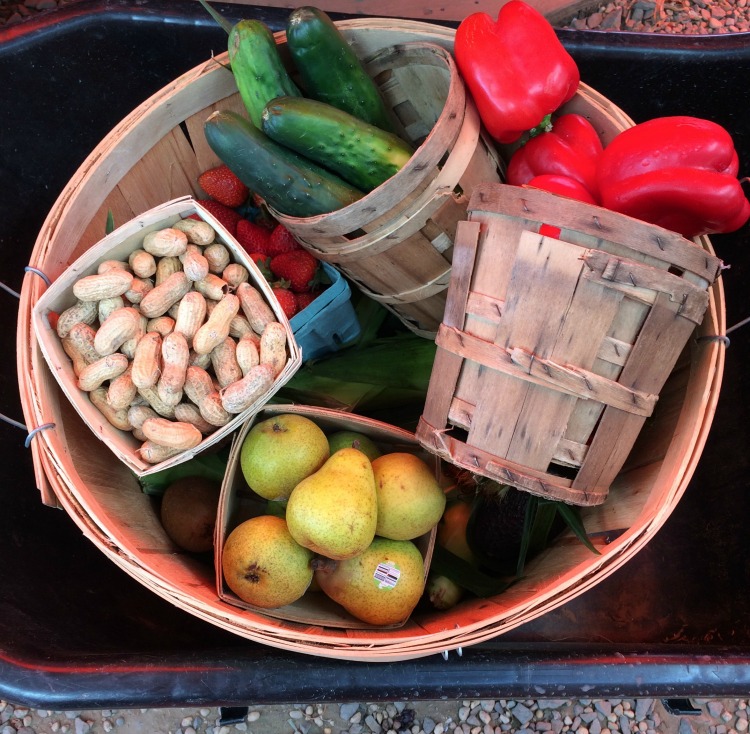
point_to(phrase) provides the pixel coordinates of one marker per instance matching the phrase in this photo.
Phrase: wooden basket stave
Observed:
(641, 498)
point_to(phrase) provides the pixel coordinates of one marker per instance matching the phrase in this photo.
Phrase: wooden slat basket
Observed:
(554, 348)
(132, 170)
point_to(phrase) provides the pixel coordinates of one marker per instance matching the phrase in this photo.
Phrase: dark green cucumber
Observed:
(288, 182)
(330, 70)
(362, 154)
(257, 67)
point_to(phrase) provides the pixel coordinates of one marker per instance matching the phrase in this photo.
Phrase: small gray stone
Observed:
(428, 725)
(625, 725)
(643, 708)
(551, 703)
(685, 726)
(715, 709)
(372, 722)
(603, 707)
(522, 713)
(347, 710)
(595, 727)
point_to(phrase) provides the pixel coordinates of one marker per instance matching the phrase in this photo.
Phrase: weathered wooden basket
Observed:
(396, 243)
(554, 347)
(127, 173)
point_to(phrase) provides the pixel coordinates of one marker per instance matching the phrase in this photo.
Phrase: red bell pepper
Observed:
(516, 69)
(563, 160)
(676, 172)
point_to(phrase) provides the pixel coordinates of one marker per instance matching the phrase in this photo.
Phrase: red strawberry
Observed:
(298, 267)
(305, 299)
(223, 186)
(252, 237)
(282, 240)
(286, 300)
(262, 260)
(226, 216)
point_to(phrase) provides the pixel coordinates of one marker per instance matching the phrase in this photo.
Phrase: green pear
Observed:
(355, 440)
(380, 586)
(279, 452)
(410, 500)
(333, 512)
(263, 564)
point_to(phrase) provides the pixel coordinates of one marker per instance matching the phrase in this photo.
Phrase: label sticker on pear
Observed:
(386, 575)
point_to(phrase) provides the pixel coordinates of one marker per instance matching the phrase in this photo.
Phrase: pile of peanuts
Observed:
(173, 343)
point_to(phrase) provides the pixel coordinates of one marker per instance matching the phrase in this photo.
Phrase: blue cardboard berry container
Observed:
(329, 322)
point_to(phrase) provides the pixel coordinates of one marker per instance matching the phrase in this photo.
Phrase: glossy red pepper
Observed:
(563, 160)
(677, 172)
(516, 69)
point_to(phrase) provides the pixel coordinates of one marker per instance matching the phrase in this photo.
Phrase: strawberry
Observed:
(282, 240)
(305, 299)
(286, 300)
(225, 216)
(299, 267)
(223, 186)
(262, 260)
(252, 237)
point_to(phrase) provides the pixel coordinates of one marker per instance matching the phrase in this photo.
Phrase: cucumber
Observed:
(288, 182)
(330, 70)
(257, 67)
(362, 154)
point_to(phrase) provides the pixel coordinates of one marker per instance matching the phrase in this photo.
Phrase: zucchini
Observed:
(362, 154)
(288, 182)
(257, 67)
(330, 70)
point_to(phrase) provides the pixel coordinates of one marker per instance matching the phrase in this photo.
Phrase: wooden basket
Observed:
(125, 173)
(396, 243)
(554, 349)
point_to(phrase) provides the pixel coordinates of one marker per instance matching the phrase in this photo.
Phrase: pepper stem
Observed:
(223, 22)
(543, 127)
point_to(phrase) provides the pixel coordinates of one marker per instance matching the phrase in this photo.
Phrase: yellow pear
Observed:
(333, 512)
(263, 564)
(410, 500)
(279, 452)
(380, 586)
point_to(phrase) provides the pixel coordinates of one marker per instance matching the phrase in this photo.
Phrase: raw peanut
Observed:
(106, 368)
(257, 311)
(83, 312)
(152, 398)
(189, 413)
(200, 360)
(166, 242)
(224, 362)
(191, 314)
(142, 263)
(247, 353)
(159, 300)
(165, 267)
(138, 289)
(198, 232)
(216, 328)
(115, 416)
(161, 324)
(128, 347)
(273, 346)
(174, 358)
(234, 274)
(107, 305)
(121, 391)
(175, 434)
(107, 265)
(217, 256)
(213, 412)
(212, 286)
(121, 325)
(147, 360)
(139, 413)
(106, 285)
(79, 346)
(194, 263)
(153, 453)
(198, 384)
(239, 326)
(242, 394)
(138, 434)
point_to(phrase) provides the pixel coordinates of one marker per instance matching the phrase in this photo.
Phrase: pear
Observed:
(451, 530)
(356, 440)
(279, 452)
(380, 586)
(263, 564)
(333, 512)
(188, 513)
(410, 500)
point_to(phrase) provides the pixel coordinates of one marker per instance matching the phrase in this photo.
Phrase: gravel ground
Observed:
(612, 716)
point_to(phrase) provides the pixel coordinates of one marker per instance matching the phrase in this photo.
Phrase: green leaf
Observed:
(223, 22)
(573, 521)
(466, 575)
(110, 225)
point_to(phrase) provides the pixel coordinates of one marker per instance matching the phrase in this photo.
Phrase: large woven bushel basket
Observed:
(154, 156)
(563, 322)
